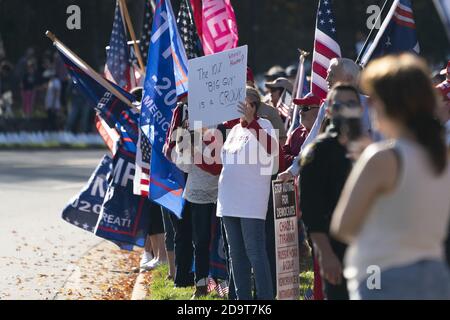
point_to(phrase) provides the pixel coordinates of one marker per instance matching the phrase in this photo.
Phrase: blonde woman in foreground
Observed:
(394, 209)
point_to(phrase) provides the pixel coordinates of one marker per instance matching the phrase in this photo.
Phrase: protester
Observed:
(273, 73)
(201, 197)
(340, 70)
(276, 88)
(324, 169)
(394, 210)
(28, 87)
(52, 100)
(309, 107)
(291, 72)
(79, 117)
(444, 116)
(268, 112)
(244, 217)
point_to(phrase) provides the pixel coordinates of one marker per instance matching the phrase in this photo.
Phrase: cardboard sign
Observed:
(286, 235)
(216, 85)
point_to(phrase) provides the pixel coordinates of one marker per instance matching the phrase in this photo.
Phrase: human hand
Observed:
(331, 268)
(285, 176)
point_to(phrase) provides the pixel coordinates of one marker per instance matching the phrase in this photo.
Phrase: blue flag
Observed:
(84, 209)
(397, 33)
(124, 217)
(165, 81)
(113, 110)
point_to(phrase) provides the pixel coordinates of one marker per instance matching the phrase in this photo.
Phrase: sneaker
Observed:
(146, 258)
(150, 265)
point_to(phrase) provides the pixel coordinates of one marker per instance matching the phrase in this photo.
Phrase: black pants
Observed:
(156, 222)
(184, 250)
(333, 292)
(201, 216)
(192, 240)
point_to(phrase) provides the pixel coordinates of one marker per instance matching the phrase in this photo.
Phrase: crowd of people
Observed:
(40, 86)
(371, 166)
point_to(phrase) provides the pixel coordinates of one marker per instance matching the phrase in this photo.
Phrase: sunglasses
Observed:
(306, 109)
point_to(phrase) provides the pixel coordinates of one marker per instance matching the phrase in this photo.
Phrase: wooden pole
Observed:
(84, 66)
(126, 15)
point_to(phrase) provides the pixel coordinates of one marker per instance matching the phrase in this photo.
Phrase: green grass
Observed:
(163, 289)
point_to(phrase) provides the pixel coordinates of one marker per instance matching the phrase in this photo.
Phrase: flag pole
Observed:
(83, 65)
(298, 85)
(124, 10)
(366, 43)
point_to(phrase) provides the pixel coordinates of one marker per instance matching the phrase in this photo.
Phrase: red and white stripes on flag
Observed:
(404, 16)
(325, 48)
(109, 135)
(141, 182)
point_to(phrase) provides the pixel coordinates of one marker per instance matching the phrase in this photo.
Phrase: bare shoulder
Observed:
(380, 162)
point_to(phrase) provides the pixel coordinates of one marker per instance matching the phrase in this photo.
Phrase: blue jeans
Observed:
(247, 248)
(423, 280)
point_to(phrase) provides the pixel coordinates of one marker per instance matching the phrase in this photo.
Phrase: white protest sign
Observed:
(216, 85)
(286, 235)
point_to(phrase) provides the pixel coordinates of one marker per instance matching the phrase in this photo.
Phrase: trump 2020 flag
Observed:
(124, 217)
(165, 80)
(84, 209)
(397, 33)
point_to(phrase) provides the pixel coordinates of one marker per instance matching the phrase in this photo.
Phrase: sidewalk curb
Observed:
(140, 288)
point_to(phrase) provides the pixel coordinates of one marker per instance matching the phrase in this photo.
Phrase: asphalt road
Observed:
(38, 248)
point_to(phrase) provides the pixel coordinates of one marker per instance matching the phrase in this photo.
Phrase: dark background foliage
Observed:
(273, 29)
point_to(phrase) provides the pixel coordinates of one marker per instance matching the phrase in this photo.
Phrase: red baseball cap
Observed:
(308, 100)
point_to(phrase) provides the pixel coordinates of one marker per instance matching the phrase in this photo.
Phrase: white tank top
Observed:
(407, 225)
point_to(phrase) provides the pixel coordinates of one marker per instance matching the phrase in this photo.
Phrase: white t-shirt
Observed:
(244, 183)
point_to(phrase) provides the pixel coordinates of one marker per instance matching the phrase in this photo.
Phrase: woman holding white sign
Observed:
(247, 156)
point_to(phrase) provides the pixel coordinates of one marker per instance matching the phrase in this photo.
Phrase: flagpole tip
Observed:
(50, 35)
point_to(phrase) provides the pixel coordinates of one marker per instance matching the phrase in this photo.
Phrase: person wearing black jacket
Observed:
(325, 165)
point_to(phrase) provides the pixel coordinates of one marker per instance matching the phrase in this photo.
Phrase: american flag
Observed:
(397, 33)
(325, 48)
(146, 33)
(117, 70)
(142, 166)
(309, 294)
(188, 32)
(118, 60)
(285, 104)
(221, 287)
